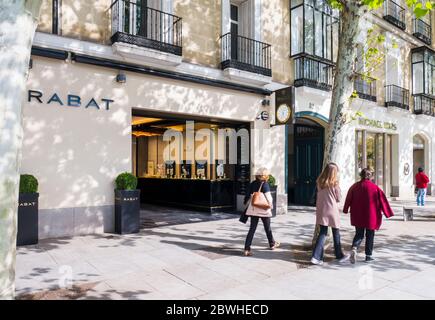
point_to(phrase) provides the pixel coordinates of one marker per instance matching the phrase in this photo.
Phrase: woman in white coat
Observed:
(259, 185)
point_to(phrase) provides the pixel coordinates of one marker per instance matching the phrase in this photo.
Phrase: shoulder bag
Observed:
(259, 200)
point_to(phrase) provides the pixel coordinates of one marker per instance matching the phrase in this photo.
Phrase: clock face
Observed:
(283, 113)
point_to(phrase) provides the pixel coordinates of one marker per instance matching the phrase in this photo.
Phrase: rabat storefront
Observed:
(82, 128)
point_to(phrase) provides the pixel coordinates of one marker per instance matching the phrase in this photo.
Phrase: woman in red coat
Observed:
(367, 202)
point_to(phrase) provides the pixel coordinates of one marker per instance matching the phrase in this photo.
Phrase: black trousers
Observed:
(253, 227)
(318, 248)
(359, 236)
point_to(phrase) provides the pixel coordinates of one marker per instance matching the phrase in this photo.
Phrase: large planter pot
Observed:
(127, 211)
(273, 192)
(27, 232)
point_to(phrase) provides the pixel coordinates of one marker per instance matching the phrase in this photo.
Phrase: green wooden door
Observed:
(308, 146)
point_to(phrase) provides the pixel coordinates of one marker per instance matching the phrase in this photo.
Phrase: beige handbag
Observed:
(259, 200)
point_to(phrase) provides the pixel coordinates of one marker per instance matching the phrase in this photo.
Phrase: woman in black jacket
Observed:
(260, 181)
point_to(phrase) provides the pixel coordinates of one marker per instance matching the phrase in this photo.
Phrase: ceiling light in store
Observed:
(144, 134)
(142, 120)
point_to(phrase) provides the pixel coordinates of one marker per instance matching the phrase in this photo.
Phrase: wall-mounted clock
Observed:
(283, 113)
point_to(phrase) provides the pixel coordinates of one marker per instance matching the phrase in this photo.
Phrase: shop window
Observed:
(373, 151)
(205, 156)
(314, 29)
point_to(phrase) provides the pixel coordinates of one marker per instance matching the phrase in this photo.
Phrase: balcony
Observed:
(314, 73)
(394, 14)
(142, 32)
(396, 96)
(424, 104)
(245, 55)
(422, 31)
(365, 87)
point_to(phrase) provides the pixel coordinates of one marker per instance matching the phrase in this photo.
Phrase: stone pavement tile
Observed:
(309, 286)
(111, 267)
(44, 278)
(31, 259)
(134, 286)
(265, 266)
(203, 278)
(394, 273)
(171, 286)
(101, 291)
(389, 293)
(227, 294)
(146, 262)
(266, 290)
(421, 284)
(177, 256)
(359, 278)
(231, 270)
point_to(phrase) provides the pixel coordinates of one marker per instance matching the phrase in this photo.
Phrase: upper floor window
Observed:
(423, 71)
(49, 20)
(147, 23)
(314, 29)
(243, 18)
(422, 28)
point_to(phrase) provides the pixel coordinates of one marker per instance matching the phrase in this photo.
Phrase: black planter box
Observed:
(27, 233)
(273, 192)
(127, 211)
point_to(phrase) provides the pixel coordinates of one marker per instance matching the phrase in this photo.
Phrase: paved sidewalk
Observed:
(203, 261)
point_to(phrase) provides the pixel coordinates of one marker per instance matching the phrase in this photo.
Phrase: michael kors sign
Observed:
(377, 124)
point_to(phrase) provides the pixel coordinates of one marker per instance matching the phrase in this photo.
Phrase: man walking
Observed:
(421, 180)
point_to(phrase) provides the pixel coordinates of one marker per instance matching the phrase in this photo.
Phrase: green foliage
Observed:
(126, 181)
(271, 181)
(354, 95)
(419, 7)
(335, 4)
(373, 4)
(28, 184)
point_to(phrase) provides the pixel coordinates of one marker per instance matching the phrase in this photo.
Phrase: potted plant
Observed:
(273, 188)
(127, 204)
(27, 232)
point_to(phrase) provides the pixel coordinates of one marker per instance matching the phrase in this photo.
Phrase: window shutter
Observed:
(247, 18)
(118, 17)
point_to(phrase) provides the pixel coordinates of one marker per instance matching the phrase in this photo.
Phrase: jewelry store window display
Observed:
(187, 169)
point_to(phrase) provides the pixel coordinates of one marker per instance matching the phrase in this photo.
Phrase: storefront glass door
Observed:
(373, 151)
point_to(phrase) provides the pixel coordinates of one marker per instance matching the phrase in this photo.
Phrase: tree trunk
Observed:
(350, 19)
(18, 21)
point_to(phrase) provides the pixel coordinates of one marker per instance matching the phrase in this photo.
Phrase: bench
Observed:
(408, 211)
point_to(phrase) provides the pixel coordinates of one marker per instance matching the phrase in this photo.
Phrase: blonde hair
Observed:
(262, 174)
(329, 177)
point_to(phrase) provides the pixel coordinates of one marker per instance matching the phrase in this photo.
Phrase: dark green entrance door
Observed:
(308, 144)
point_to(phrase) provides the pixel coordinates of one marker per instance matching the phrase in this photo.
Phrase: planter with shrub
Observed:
(127, 204)
(273, 188)
(27, 232)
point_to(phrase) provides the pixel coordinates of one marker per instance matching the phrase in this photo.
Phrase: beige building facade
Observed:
(108, 77)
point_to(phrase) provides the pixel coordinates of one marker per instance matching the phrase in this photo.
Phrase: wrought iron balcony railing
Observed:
(424, 104)
(137, 24)
(313, 73)
(394, 14)
(422, 31)
(396, 96)
(246, 54)
(365, 87)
